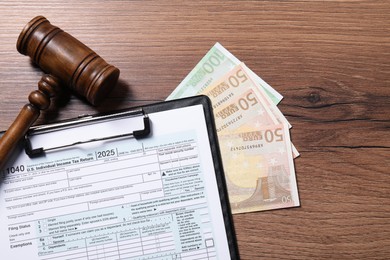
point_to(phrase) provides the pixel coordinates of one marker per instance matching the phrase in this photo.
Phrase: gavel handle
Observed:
(39, 100)
(27, 116)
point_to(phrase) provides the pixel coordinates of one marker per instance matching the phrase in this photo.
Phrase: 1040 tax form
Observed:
(152, 198)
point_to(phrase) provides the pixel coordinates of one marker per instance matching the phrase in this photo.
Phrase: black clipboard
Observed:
(146, 131)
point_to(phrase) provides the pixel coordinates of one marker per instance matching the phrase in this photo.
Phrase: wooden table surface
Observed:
(329, 59)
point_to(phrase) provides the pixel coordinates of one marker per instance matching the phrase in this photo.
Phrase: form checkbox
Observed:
(209, 242)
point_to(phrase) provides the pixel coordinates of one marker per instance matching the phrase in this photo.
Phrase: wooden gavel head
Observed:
(63, 56)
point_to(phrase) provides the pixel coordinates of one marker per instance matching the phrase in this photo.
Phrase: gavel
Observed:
(67, 63)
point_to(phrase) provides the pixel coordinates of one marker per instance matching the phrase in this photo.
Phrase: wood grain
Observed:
(329, 59)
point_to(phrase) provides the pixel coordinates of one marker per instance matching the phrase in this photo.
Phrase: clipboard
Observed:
(141, 183)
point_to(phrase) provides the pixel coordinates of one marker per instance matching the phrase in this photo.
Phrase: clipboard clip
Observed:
(85, 120)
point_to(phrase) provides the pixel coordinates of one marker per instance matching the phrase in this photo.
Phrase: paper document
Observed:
(153, 198)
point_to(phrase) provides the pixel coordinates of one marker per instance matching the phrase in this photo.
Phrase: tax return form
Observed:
(159, 197)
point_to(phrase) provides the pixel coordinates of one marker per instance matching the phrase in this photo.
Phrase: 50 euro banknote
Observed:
(234, 84)
(245, 110)
(259, 169)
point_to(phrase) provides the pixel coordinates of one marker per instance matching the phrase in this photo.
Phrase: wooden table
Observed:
(329, 59)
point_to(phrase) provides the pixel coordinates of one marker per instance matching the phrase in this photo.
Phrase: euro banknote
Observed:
(234, 83)
(217, 62)
(246, 108)
(259, 169)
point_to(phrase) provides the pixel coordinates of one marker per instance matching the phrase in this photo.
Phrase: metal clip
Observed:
(85, 120)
